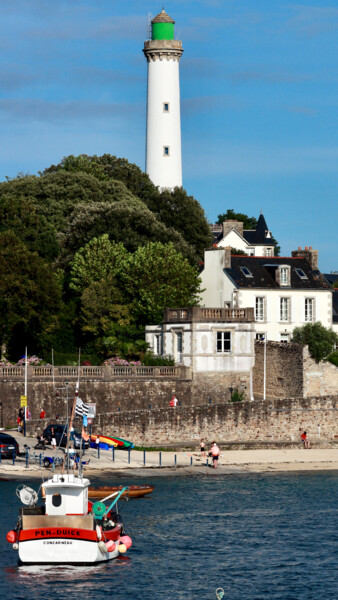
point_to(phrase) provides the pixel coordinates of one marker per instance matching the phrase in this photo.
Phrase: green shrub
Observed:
(333, 358)
(237, 396)
(319, 339)
(151, 360)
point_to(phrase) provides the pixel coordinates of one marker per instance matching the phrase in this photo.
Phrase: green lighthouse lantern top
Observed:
(162, 27)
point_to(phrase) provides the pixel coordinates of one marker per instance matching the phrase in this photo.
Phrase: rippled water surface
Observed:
(268, 536)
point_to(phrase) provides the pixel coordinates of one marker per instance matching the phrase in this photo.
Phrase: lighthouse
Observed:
(163, 144)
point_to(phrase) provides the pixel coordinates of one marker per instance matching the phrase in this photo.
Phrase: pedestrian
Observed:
(173, 402)
(202, 448)
(28, 414)
(20, 424)
(53, 439)
(215, 454)
(42, 413)
(305, 440)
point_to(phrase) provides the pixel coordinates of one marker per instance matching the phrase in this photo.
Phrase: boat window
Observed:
(56, 500)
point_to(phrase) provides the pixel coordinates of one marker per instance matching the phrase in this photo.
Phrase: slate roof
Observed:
(263, 270)
(331, 277)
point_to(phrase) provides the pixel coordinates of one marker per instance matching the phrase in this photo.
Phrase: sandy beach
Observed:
(172, 462)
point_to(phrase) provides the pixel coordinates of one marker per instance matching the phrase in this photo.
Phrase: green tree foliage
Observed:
(131, 223)
(175, 209)
(19, 214)
(159, 276)
(103, 305)
(248, 222)
(29, 294)
(335, 284)
(319, 339)
(97, 260)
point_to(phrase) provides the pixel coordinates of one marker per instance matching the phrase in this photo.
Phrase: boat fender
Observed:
(15, 546)
(122, 548)
(98, 532)
(126, 540)
(11, 537)
(111, 523)
(102, 547)
(110, 545)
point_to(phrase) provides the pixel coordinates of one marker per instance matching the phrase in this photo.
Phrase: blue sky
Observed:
(259, 83)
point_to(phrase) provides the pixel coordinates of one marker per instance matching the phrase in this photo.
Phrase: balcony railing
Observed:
(103, 372)
(198, 314)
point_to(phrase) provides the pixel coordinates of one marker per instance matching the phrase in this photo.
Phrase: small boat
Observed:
(132, 491)
(67, 528)
(106, 440)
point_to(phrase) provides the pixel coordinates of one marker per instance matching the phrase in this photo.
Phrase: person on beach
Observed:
(53, 439)
(202, 448)
(305, 440)
(215, 451)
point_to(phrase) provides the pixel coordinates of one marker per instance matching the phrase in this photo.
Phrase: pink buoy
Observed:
(126, 540)
(110, 546)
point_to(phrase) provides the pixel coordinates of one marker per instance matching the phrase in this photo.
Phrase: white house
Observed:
(254, 242)
(283, 292)
(212, 341)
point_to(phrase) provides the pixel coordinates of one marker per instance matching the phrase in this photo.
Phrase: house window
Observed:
(166, 151)
(309, 310)
(158, 344)
(223, 341)
(269, 252)
(259, 309)
(246, 271)
(250, 252)
(284, 309)
(301, 273)
(260, 336)
(165, 107)
(178, 346)
(284, 337)
(284, 279)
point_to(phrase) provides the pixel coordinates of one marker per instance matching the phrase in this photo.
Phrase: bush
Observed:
(152, 360)
(319, 339)
(237, 396)
(333, 358)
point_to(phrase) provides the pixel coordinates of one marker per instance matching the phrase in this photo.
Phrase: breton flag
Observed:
(81, 408)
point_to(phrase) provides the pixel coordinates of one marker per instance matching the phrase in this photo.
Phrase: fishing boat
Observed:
(132, 491)
(67, 528)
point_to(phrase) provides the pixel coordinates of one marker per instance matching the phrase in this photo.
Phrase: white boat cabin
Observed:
(66, 494)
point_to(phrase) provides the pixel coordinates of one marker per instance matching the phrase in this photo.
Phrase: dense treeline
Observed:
(90, 252)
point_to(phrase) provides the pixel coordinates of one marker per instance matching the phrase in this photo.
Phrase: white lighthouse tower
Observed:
(163, 146)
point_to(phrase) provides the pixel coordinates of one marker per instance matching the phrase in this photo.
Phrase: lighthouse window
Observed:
(165, 106)
(56, 500)
(165, 150)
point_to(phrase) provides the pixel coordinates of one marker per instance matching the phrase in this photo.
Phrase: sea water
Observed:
(257, 536)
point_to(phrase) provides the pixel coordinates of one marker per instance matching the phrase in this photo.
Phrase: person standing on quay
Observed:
(202, 448)
(215, 451)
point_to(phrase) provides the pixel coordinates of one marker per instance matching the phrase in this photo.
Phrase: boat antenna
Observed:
(69, 428)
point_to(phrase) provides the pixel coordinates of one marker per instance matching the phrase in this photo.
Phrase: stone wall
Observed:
(274, 421)
(117, 395)
(291, 372)
(284, 370)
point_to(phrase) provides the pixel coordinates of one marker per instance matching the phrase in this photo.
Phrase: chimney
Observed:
(232, 224)
(217, 258)
(309, 254)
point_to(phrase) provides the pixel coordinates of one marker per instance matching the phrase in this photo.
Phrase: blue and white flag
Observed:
(81, 408)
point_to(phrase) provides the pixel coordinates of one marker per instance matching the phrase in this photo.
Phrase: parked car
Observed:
(60, 434)
(8, 444)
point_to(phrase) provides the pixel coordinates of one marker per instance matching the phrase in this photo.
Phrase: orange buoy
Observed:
(11, 537)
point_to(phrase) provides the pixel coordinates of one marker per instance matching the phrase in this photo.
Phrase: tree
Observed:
(319, 339)
(130, 223)
(97, 260)
(29, 294)
(248, 222)
(159, 276)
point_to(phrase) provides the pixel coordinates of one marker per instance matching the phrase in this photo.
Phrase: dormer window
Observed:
(246, 271)
(283, 275)
(301, 273)
(166, 107)
(268, 234)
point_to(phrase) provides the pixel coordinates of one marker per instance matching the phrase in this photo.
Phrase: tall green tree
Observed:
(159, 276)
(29, 293)
(231, 215)
(321, 341)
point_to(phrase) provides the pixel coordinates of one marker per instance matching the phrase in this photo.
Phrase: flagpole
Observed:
(69, 428)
